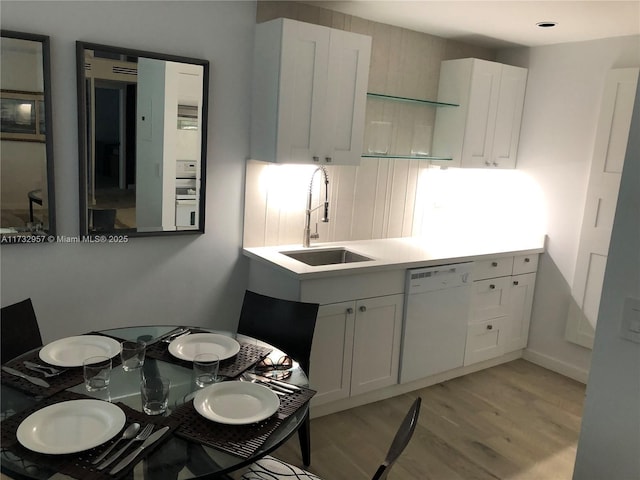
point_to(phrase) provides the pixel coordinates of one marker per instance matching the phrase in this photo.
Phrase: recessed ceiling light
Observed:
(546, 24)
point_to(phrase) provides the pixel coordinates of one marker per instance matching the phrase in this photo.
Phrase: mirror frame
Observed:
(50, 232)
(81, 46)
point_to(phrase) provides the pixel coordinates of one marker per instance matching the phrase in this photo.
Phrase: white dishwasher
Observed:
(436, 312)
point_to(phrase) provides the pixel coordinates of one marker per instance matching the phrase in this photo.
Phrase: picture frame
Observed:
(22, 116)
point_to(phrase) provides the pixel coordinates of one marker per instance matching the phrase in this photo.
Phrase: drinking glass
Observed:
(97, 373)
(132, 354)
(154, 392)
(205, 369)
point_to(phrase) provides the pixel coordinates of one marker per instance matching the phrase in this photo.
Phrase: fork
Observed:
(44, 369)
(143, 435)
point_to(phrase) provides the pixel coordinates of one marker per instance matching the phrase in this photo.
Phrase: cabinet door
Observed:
(490, 298)
(376, 344)
(481, 116)
(513, 81)
(348, 78)
(485, 340)
(609, 151)
(331, 352)
(302, 91)
(520, 303)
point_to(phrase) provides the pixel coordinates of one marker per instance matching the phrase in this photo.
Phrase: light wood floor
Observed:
(515, 421)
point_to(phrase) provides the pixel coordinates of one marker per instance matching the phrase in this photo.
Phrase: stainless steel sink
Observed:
(332, 256)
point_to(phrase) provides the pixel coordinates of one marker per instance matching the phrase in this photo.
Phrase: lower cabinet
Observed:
(500, 307)
(356, 347)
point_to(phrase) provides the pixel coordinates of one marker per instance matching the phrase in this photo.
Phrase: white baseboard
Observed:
(555, 365)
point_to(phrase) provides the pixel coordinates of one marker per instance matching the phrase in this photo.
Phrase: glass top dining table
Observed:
(178, 457)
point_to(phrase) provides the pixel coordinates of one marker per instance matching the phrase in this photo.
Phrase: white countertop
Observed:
(398, 253)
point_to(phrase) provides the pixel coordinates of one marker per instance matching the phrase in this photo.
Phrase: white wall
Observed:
(564, 90)
(193, 279)
(610, 435)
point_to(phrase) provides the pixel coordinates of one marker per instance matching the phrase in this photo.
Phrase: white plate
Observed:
(236, 403)
(187, 347)
(72, 351)
(70, 427)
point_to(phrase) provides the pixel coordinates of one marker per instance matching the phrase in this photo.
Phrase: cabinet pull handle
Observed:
(494, 264)
(316, 158)
(495, 164)
(363, 308)
(492, 287)
(349, 311)
(489, 327)
(328, 159)
(526, 260)
(515, 282)
(487, 163)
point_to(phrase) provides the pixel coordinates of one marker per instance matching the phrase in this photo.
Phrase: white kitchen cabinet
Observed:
(485, 340)
(484, 131)
(520, 304)
(309, 93)
(501, 302)
(356, 347)
(332, 352)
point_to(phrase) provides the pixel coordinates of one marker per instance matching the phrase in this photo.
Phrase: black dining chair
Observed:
(20, 331)
(273, 469)
(102, 219)
(289, 326)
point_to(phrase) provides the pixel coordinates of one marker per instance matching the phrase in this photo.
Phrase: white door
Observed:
(513, 82)
(303, 86)
(602, 194)
(331, 352)
(376, 345)
(519, 318)
(481, 117)
(348, 78)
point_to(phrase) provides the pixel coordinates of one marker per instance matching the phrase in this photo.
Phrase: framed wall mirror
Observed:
(142, 120)
(27, 201)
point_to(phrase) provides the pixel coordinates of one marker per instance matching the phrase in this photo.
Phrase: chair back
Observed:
(20, 331)
(400, 441)
(285, 324)
(102, 219)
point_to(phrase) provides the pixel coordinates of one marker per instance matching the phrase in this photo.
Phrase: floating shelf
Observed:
(410, 100)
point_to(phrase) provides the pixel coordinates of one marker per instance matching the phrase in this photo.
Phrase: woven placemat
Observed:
(239, 440)
(78, 465)
(248, 355)
(70, 378)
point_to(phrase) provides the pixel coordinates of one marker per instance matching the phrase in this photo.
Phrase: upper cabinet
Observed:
(309, 93)
(484, 131)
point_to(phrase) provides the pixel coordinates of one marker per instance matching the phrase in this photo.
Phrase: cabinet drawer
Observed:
(498, 267)
(485, 340)
(490, 298)
(525, 264)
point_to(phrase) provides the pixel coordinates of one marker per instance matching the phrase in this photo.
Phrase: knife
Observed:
(175, 331)
(129, 458)
(268, 384)
(35, 380)
(276, 382)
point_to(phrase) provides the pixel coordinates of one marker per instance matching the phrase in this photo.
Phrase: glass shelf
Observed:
(410, 100)
(404, 157)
